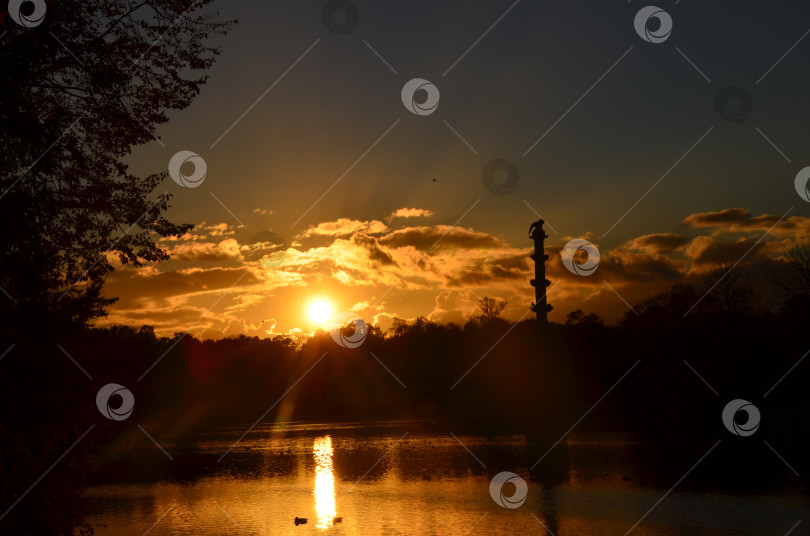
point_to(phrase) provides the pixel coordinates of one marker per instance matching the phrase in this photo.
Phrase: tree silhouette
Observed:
(398, 326)
(578, 318)
(490, 308)
(663, 311)
(728, 290)
(793, 279)
(77, 93)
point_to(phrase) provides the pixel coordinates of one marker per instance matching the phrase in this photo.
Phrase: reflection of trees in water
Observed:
(550, 467)
(549, 515)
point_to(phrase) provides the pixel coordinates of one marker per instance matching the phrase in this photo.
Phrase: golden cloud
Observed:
(405, 213)
(437, 271)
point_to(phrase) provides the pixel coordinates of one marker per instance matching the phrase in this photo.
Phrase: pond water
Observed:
(386, 479)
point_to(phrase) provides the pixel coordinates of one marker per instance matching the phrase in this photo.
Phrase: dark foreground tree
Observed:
(82, 84)
(77, 92)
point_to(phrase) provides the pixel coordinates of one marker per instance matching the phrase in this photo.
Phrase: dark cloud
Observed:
(626, 266)
(172, 319)
(739, 220)
(620, 267)
(422, 238)
(484, 274)
(375, 252)
(658, 242)
(134, 288)
(704, 250)
(721, 218)
(224, 252)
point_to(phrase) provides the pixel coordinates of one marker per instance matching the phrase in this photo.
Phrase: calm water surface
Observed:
(383, 480)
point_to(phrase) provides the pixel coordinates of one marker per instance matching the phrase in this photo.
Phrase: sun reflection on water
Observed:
(324, 481)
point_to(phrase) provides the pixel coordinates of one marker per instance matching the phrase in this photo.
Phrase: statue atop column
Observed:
(540, 306)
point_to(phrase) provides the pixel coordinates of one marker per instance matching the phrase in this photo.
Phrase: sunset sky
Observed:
(613, 115)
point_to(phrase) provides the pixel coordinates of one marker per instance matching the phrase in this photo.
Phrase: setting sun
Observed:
(320, 312)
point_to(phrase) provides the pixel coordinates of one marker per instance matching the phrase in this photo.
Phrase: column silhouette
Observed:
(540, 306)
